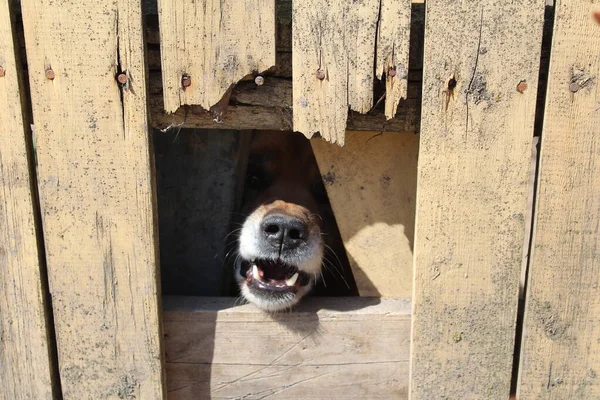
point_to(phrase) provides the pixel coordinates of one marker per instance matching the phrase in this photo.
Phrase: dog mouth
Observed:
(273, 276)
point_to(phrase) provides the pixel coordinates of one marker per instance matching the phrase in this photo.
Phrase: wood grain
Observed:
(393, 38)
(337, 38)
(476, 138)
(96, 193)
(216, 43)
(269, 108)
(561, 351)
(371, 184)
(25, 362)
(328, 348)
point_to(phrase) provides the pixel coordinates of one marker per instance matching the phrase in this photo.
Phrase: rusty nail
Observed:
(50, 74)
(320, 74)
(2, 72)
(122, 78)
(186, 81)
(259, 80)
(392, 72)
(574, 87)
(522, 86)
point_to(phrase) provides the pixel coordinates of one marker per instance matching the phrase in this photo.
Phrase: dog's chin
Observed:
(272, 285)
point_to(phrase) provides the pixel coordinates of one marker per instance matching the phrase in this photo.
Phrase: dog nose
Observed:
(283, 229)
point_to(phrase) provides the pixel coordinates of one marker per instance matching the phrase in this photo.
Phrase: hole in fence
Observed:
(209, 182)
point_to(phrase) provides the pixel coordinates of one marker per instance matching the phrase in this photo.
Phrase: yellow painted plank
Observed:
(25, 361)
(393, 38)
(561, 342)
(327, 348)
(96, 193)
(333, 46)
(215, 43)
(371, 184)
(334, 50)
(476, 136)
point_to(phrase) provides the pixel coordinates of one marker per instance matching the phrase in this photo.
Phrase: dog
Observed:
(280, 246)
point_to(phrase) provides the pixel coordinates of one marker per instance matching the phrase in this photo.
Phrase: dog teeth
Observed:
(292, 280)
(255, 273)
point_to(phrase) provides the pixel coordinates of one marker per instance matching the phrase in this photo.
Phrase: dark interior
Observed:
(200, 181)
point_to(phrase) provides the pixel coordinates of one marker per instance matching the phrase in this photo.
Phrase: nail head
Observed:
(522, 86)
(574, 87)
(2, 72)
(50, 74)
(320, 74)
(122, 78)
(259, 80)
(392, 72)
(186, 81)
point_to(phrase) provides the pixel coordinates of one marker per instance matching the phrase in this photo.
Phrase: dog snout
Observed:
(284, 231)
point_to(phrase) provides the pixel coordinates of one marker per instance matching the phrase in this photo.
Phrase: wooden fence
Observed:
(81, 316)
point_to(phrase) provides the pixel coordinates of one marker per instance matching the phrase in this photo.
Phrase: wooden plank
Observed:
(328, 348)
(214, 42)
(479, 96)
(561, 354)
(332, 59)
(393, 38)
(96, 193)
(381, 172)
(26, 370)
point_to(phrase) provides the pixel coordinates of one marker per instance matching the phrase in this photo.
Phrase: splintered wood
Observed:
(333, 60)
(561, 343)
(476, 136)
(328, 348)
(25, 365)
(96, 194)
(214, 43)
(392, 51)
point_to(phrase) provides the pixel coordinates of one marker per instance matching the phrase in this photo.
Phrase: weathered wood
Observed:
(371, 184)
(329, 348)
(393, 38)
(214, 42)
(26, 370)
(476, 137)
(332, 60)
(561, 352)
(96, 193)
(268, 108)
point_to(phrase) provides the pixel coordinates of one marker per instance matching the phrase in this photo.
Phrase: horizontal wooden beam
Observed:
(357, 346)
(268, 107)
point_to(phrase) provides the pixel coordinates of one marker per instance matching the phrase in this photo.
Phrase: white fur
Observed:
(249, 249)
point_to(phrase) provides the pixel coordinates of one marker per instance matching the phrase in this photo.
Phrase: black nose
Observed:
(284, 231)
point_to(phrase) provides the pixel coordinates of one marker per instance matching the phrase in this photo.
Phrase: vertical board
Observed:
(393, 38)
(479, 96)
(561, 343)
(380, 172)
(96, 194)
(334, 50)
(25, 361)
(214, 42)
(336, 39)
